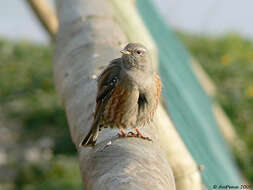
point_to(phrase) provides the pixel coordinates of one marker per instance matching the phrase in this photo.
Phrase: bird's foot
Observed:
(131, 134)
(122, 133)
(141, 136)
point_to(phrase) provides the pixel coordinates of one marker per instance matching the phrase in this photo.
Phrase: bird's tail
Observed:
(92, 136)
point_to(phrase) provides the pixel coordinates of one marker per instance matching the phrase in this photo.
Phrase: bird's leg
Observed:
(141, 136)
(122, 133)
(129, 134)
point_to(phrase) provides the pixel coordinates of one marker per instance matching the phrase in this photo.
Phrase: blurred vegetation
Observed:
(229, 62)
(36, 151)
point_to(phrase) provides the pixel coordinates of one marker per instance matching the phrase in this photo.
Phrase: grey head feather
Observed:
(136, 57)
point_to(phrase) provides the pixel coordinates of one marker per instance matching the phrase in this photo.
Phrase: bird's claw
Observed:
(122, 133)
(145, 138)
(141, 136)
(132, 134)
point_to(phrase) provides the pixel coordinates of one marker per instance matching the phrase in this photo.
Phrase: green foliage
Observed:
(61, 173)
(28, 97)
(229, 62)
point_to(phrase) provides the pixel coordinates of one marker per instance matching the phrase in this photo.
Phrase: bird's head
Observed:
(136, 56)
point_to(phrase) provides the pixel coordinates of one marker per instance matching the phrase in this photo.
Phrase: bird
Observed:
(128, 94)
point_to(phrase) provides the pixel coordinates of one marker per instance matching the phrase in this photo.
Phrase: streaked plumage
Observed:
(128, 92)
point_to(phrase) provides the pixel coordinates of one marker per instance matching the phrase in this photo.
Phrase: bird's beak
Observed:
(125, 52)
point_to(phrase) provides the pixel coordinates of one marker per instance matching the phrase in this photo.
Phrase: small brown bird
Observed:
(128, 94)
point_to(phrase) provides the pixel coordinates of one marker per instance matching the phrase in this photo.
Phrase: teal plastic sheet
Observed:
(188, 105)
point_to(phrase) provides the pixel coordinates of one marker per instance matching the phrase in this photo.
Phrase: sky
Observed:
(17, 21)
(209, 16)
(196, 16)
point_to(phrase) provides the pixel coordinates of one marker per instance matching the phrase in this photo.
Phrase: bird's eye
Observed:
(138, 52)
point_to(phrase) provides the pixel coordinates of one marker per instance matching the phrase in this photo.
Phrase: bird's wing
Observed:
(108, 79)
(116, 98)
